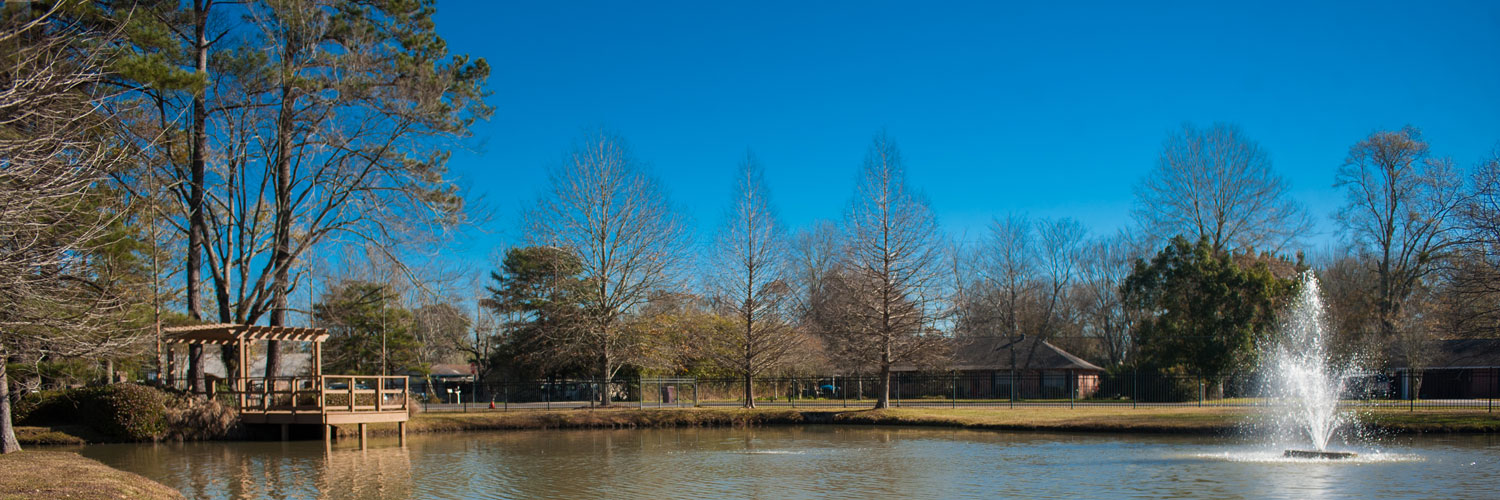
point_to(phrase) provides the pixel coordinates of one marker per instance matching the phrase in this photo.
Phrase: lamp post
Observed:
(450, 395)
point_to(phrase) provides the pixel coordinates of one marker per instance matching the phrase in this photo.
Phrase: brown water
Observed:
(808, 462)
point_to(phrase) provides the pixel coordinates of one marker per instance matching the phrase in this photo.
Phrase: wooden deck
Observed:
(326, 399)
(316, 399)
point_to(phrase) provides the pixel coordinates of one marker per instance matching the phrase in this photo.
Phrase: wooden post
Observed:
(242, 372)
(327, 434)
(351, 394)
(401, 433)
(362, 426)
(286, 432)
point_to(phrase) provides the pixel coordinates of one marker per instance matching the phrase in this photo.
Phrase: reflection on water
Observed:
(807, 462)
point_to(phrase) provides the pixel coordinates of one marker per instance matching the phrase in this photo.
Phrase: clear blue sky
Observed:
(1039, 109)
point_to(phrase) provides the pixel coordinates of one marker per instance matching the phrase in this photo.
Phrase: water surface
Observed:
(808, 462)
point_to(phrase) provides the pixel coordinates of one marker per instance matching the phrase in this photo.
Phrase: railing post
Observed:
(351, 394)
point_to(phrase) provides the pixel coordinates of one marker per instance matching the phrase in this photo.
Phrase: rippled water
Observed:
(809, 462)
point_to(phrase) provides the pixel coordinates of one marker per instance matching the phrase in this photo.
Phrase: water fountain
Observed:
(1302, 383)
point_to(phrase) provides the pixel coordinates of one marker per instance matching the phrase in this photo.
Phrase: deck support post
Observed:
(286, 432)
(401, 434)
(362, 427)
(327, 434)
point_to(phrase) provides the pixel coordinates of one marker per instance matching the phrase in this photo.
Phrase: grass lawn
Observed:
(1185, 420)
(65, 475)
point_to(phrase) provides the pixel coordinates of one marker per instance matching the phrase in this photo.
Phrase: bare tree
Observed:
(56, 148)
(1026, 279)
(1399, 199)
(750, 283)
(1216, 183)
(628, 239)
(1105, 263)
(895, 271)
(1472, 273)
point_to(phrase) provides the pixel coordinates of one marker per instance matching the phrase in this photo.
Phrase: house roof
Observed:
(229, 333)
(1461, 353)
(994, 353)
(451, 370)
(293, 364)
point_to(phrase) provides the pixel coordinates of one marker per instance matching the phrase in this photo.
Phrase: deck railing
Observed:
(325, 394)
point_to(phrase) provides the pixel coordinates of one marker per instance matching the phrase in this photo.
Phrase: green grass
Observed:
(1158, 419)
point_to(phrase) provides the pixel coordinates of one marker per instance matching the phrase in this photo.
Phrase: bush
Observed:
(127, 412)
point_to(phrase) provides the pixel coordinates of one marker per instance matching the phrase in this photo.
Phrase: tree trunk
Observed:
(8, 443)
(604, 394)
(197, 227)
(884, 399)
(281, 257)
(749, 391)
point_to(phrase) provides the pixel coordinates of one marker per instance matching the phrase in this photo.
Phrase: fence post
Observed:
(1072, 388)
(547, 393)
(954, 383)
(898, 390)
(1200, 392)
(641, 383)
(1411, 393)
(505, 386)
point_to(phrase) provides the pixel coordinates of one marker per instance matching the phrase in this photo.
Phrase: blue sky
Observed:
(1049, 109)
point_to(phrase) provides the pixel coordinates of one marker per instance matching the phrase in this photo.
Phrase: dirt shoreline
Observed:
(61, 474)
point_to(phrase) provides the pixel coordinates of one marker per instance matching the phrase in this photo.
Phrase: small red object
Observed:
(492, 405)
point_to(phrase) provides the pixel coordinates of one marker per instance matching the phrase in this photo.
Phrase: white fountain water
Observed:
(1303, 385)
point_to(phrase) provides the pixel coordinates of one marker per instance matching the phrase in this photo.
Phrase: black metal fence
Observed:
(1468, 388)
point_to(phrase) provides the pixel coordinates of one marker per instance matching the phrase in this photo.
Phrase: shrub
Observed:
(127, 412)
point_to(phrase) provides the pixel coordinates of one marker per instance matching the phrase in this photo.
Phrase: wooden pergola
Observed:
(316, 398)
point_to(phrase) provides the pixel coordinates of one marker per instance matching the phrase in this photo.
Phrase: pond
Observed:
(809, 462)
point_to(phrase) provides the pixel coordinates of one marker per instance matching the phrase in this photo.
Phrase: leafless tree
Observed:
(1398, 208)
(1472, 272)
(1216, 183)
(1105, 263)
(1026, 277)
(895, 283)
(56, 148)
(628, 239)
(750, 283)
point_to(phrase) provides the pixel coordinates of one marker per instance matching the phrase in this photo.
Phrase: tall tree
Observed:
(1216, 183)
(370, 333)
(628, 239)
(895, 283)
(536, 296)
(1106, 262)
(57, 148)
(750, 283)
(1205, 313)
(1398, 203)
